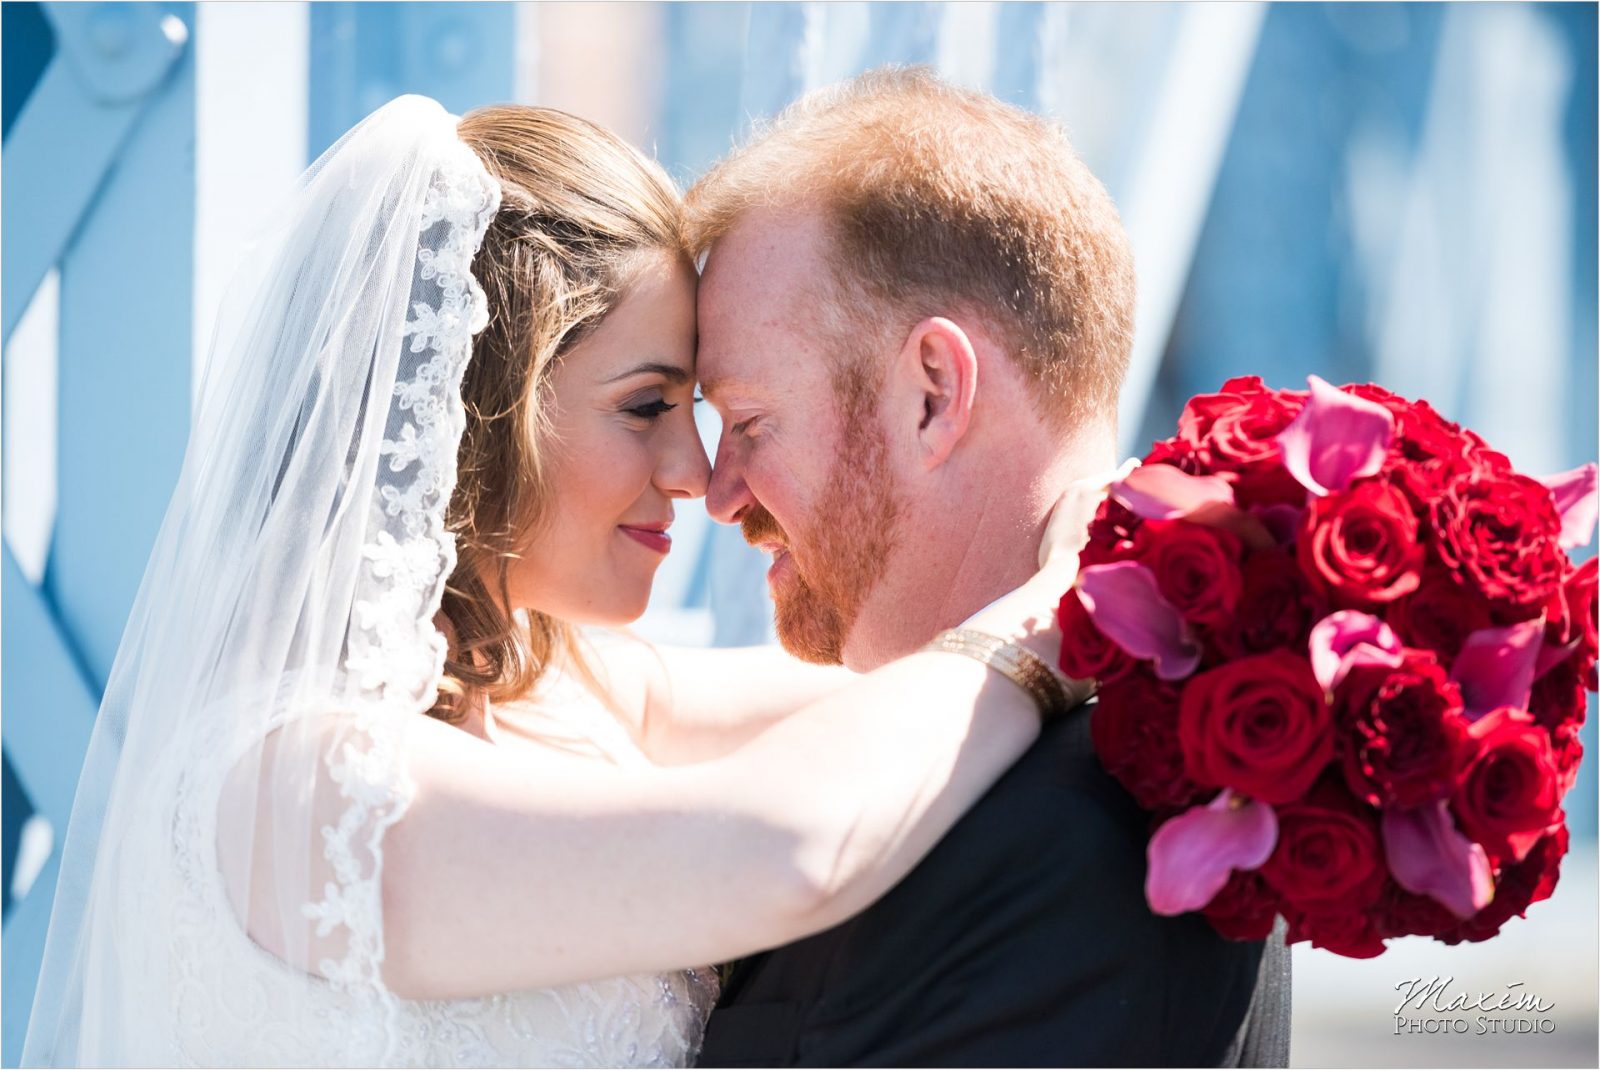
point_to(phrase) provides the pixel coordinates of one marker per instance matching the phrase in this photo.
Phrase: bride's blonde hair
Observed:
(579, 206)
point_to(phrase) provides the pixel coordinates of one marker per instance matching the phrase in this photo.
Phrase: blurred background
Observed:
(1398, 192)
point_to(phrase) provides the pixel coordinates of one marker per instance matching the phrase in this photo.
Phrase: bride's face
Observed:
(624, 446)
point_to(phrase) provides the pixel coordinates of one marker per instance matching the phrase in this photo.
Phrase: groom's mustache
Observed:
(760, 526)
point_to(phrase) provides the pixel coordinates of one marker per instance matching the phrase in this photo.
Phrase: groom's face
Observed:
(803, 465)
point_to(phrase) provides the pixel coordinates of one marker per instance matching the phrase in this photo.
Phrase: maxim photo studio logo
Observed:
(1435, 1005)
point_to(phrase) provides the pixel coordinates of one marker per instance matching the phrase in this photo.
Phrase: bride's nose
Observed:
(684, 470)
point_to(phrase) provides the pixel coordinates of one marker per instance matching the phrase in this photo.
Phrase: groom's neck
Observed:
(956, 556)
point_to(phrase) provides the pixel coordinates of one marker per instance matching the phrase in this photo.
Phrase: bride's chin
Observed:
(619, 610)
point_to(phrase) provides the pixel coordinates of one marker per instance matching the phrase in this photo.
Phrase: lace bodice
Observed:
(237, 1004)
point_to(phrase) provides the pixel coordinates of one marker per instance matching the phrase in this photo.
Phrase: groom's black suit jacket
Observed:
(1023, 939)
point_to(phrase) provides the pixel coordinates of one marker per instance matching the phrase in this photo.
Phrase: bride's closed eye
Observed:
(652, 409)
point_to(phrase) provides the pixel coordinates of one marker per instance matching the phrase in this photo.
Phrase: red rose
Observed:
(1559, 697)
(1406, 742)
(1236, 431)
(1328, 858)
(1582, 615)
(1200, 412)
(1427, 450)
(1484, 460)
(1175, 452)
(1134, 726)
(1571, 619)
(1197, 421)
(1510, 796)
(1403, 913)
(1421, 436)
(1497, 535)
(1438, 615)
(1517, 886)
(1351, 933)
(1245, 433)
(1265, 485)
(1248, 386)
(1359, 547)
(1245, 908)
(1381, 394)
(1258, 725)
(1567, 750)
(1111, 535)
(1196, 567)
(1086, 653)
(1276, 607)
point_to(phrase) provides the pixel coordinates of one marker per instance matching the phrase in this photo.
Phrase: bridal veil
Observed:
(246, 759)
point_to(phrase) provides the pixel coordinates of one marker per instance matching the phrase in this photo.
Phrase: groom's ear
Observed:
(942, 369)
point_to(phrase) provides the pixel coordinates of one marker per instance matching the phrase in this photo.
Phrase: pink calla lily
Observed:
(1429, 856)
(1165, 492)
(1192, 854)
(1336, 438)
(1496, 667)
(1553, 654)
(1126, 605)
(1577, 503)
(1341, 641)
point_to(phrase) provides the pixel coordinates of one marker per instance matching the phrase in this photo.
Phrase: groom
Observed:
(915, 317)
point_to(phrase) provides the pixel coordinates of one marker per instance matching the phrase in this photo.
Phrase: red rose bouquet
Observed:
(1343, 659)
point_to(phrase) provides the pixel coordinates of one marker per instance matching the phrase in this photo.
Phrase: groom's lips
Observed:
(782, 562)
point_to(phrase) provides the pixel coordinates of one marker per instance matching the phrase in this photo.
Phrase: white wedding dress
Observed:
(239, 1005)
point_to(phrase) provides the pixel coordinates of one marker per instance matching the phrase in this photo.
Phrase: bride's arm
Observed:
(500, 877)
(695, 704)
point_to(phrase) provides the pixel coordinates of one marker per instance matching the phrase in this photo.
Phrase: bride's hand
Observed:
(1027, 615)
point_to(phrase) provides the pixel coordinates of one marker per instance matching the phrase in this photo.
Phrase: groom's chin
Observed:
(808, 628)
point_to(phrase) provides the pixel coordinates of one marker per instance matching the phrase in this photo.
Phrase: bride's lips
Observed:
(650, 536)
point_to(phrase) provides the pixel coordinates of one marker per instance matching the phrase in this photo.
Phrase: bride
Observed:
(359, 793)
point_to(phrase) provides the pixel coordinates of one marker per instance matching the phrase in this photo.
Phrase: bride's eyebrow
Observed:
(671, 372)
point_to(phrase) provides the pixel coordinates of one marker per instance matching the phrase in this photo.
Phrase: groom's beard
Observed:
(843, 549)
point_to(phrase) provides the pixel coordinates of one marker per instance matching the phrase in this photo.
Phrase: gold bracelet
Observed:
(1019, 665)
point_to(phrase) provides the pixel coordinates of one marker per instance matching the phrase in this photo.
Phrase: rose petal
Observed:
(1251, 531)
(1341, 641)
(1192, 854)
(1126, 605)
(1496, 667)
(1577, 503)
(1163, 492)
(1336, 438)
(1428, 855)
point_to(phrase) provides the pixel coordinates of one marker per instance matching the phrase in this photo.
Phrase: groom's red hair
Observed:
(942, 199)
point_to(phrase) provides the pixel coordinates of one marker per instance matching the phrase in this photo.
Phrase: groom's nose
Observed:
(728, 494)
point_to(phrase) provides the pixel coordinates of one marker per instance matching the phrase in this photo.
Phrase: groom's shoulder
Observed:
(1057, 798)
(1055, 828)
(1037, 896)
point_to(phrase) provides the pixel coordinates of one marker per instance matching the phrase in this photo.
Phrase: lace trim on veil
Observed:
(396, 655)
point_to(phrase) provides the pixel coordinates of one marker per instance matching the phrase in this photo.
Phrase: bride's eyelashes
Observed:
(651, 410)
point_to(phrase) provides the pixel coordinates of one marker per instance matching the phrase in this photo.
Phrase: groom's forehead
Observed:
(757, 295)
(767, 266)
